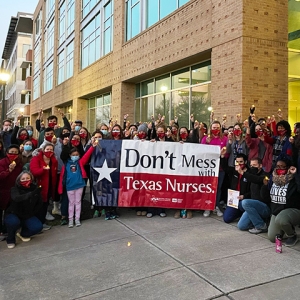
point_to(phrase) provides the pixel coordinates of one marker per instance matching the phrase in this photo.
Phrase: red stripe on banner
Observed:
(167, 191)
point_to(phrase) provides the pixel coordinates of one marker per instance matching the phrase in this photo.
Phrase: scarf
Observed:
(282, 180)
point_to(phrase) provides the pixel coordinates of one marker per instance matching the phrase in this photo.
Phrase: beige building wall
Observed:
(246, 41)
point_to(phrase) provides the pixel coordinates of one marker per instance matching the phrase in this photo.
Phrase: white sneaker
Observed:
(71, 224)
(49, 217)
(24, 239)
(218, 212)
(77, 223)
(206, 213)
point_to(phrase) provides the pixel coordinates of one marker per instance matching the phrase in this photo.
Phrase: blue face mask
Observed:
(74, 158)
(30, 132)
(27, 147)
(104, 132)
(77, 128)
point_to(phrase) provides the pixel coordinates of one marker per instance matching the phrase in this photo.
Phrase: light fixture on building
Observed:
(4, 78)
(209, 108)
(21, 110)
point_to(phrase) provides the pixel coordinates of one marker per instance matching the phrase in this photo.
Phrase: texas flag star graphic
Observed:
(104, 172)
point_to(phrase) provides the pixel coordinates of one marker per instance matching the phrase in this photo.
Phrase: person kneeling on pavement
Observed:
(26, 203)
(284, 190)
(256, 209)
(238, 182)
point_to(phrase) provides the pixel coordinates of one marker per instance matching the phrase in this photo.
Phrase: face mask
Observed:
(281, 171)
(30, 132)
(25, 184)
(259, 133)
(161, 135)
(174, 131)
(83, 135)
(49, 138)
(215, 131)
(27, 147)
(65, 135)
(23, 137)
(77, 128)
(115, 133)
(237, 132)
(253, 170)
(183, 135)
(242, 166)
(104, 131)
(75, 143)
(99, 139)
(281, 132)
(12, 157)
(48, 154)
(74, 158)
(141, 135)
(52, 124)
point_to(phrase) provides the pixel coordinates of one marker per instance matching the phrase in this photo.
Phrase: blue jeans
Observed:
(29, 226)
(231, 213)
(255, 214)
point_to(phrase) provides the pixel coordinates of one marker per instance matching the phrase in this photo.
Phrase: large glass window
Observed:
(107, 28)
(49, 41)
(99, 110)
(87, 6)
(65, 63)
(38, 25)
(50, 7)
(48, 78)
(36, 87)
(70, 60)
(294, 61)
(179, 94)
(61, 67)
(141, 14)
(37, 58)
(66, 19)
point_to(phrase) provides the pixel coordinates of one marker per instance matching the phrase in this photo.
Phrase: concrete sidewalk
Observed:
(201, 258)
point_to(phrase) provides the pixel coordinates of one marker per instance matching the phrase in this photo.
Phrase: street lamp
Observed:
(164, 88)
(4, 77)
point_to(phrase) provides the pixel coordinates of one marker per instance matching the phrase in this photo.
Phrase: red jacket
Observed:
(82, 162)
(8, 180)
(37, 165)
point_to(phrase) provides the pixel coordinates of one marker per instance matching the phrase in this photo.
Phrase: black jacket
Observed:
(26, 202)
(292, 196)
(234, 177)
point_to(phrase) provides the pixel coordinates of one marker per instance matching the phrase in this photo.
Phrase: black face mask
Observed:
(253, 170)
(65, 135)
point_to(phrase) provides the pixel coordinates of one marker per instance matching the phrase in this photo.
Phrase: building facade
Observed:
(16, 52)
(96, 59)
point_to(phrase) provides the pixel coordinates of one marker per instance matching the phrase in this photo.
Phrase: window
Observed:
(38, 25)
(87, 6)
(36, 87)
(99, 110)
(66, 19)
(37, 58)
(49, 41)
(90, 45)
(65, 63)
(179, 93)
(141, 14)
(97, 34)
(48, 78)
(50, 7)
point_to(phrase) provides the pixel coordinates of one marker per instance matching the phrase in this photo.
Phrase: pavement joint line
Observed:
(127, 283)
(67, 251)
(262, 283)
(176, 259)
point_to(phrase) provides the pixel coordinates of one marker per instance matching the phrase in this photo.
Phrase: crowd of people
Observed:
(259, 158)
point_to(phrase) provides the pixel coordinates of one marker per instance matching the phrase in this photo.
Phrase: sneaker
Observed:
(107, 216)
(138, 213)
(23, 238)
(114, 214)
(162, 215)
(149, 215)
(49, 217)
(3, 236)
(183, 213)
(189, 214)
(144, 213)
(96, 214)
(291, 241)
(71, 224)
(259, 230)
(46, 227)
(63, 222)
(77, 223)
(218, 212)
(177, 214)
(206, 213)
(11, 246)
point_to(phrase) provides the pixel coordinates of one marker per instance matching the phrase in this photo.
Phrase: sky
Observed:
(11, 8)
